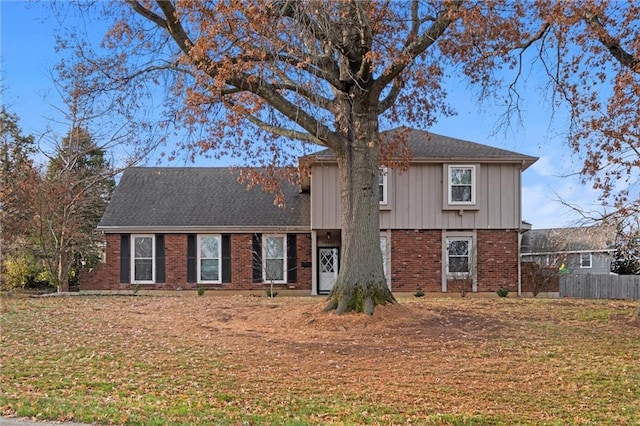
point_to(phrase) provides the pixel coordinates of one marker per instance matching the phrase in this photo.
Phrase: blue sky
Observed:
(28, 57)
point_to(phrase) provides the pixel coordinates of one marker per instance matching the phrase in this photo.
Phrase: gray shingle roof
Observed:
(576, 239)
(198, 197)
(432, 146)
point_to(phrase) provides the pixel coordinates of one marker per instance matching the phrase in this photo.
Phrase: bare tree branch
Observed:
(613, 45)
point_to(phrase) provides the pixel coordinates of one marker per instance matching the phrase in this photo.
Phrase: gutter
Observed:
(200, 229)
(519, 264)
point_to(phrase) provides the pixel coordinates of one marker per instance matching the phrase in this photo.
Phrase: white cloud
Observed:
(544, 167)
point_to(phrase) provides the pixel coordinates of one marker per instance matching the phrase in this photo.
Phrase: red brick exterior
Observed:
(416, 263)
(416, 260)
(497, 256)
(106, 276)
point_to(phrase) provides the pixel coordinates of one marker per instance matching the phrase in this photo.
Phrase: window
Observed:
(585, 260)
(382, 185)
(274, 252)
(550, 261)
(142, 262)
(458, 251)
(383, 249)
(209, 258)
(461, 181)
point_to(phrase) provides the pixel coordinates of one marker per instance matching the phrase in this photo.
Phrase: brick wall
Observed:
(416, 260)
(303, 257)
(175, 266)
(106, 276)
(497, 260)
(102, 276)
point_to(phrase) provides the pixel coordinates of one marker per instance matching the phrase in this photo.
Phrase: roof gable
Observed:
(198, 197)
(427, 146)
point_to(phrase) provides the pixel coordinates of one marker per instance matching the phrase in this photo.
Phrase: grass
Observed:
(231, 360)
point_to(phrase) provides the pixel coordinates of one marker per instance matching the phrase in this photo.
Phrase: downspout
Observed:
(520, 231)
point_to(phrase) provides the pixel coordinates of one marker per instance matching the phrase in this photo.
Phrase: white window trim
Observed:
(200, 280)
(470, 261)
(386, 256)
(264, 258)
(473, 185)
(590, 261)
(133, 259)
(385, 191)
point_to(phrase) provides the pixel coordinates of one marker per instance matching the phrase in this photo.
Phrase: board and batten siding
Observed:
(416, 198)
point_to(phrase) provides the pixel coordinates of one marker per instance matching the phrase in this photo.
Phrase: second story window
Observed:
(585, 260)
(382, 185)
(462, 184)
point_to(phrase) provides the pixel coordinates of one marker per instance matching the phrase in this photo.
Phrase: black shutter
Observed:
(257, 258)
(125, 258)
(191, 258)
(160, 278)
(226, 258)
(292, 266)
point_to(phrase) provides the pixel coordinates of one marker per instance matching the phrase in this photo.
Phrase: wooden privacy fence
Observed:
(600, 286)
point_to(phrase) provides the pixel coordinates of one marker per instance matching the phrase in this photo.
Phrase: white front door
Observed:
(327, 269)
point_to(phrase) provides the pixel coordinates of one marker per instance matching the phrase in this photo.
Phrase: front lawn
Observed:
(222, 359)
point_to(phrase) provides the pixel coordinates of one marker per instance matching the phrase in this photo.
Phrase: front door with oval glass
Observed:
(327, 268)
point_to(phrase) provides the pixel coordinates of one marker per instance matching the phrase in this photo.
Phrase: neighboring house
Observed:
(456, 210)
(577, 250)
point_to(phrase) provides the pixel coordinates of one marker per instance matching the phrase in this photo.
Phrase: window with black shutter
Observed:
(160, 268)
(257, 258)
(292, 265)
(191, 258)
(125, 258)
(226, 258)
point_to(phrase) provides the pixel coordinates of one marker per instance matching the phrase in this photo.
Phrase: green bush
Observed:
(201, 290)
(24, 272)
(419, 293)
(502, 292)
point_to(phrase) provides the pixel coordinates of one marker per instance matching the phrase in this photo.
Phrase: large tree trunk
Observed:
(361, 284)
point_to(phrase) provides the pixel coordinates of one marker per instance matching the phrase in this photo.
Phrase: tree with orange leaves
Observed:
(266, 79)
(18, 178)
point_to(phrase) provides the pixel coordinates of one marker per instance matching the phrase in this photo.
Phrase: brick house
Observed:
(454, 215)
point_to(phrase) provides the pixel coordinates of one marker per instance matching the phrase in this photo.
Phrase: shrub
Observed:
(502, 292)
(270, 292)
(200, 290)
(24, 272)
(419, 293)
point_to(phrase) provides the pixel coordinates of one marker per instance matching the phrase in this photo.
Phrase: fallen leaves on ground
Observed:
(232, 359)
